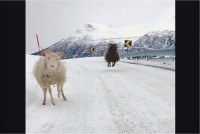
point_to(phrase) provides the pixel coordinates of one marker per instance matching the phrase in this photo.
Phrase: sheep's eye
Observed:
(48, 57)
(56, 59)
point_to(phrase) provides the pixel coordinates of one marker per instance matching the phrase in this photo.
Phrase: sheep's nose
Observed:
(52, 66)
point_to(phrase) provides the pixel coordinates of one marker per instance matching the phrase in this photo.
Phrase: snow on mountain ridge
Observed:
(100, 31)
(157, 40)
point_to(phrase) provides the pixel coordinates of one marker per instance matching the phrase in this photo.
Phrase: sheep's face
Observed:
(112, 47)
(52, 59)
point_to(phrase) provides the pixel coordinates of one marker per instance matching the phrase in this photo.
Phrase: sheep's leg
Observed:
(45, 95)
(58, 89)
(113, 64)
(63, 95)
(50, 92)
(109, 64)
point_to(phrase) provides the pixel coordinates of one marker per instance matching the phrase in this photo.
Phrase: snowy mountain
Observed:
(157, 40)
(92, 35)
(100, 35)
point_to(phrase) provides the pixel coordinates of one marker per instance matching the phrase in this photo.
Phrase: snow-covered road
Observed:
(127, 98)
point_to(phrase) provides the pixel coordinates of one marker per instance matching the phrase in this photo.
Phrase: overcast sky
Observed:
(55, 20)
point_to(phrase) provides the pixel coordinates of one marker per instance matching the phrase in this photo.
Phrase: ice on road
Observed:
(127, 98)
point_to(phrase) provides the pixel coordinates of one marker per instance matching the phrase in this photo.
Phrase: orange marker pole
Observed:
(38, 44)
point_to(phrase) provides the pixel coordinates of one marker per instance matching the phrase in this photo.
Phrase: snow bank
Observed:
(170, 65)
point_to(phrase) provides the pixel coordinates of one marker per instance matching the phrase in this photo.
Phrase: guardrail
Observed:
(149, 52)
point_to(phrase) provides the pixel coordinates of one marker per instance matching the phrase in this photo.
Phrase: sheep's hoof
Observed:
(53, 103)
(44, 103)
(58, 94)
(65, 99)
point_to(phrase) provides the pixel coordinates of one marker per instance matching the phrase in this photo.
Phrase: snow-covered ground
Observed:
(127, 98)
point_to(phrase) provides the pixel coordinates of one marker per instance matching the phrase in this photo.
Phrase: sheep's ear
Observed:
(44, 52)
(60, 54)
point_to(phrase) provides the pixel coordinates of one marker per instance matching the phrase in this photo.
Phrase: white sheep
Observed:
(49, 70)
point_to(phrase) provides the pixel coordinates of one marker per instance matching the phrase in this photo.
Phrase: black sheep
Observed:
(112, 55)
